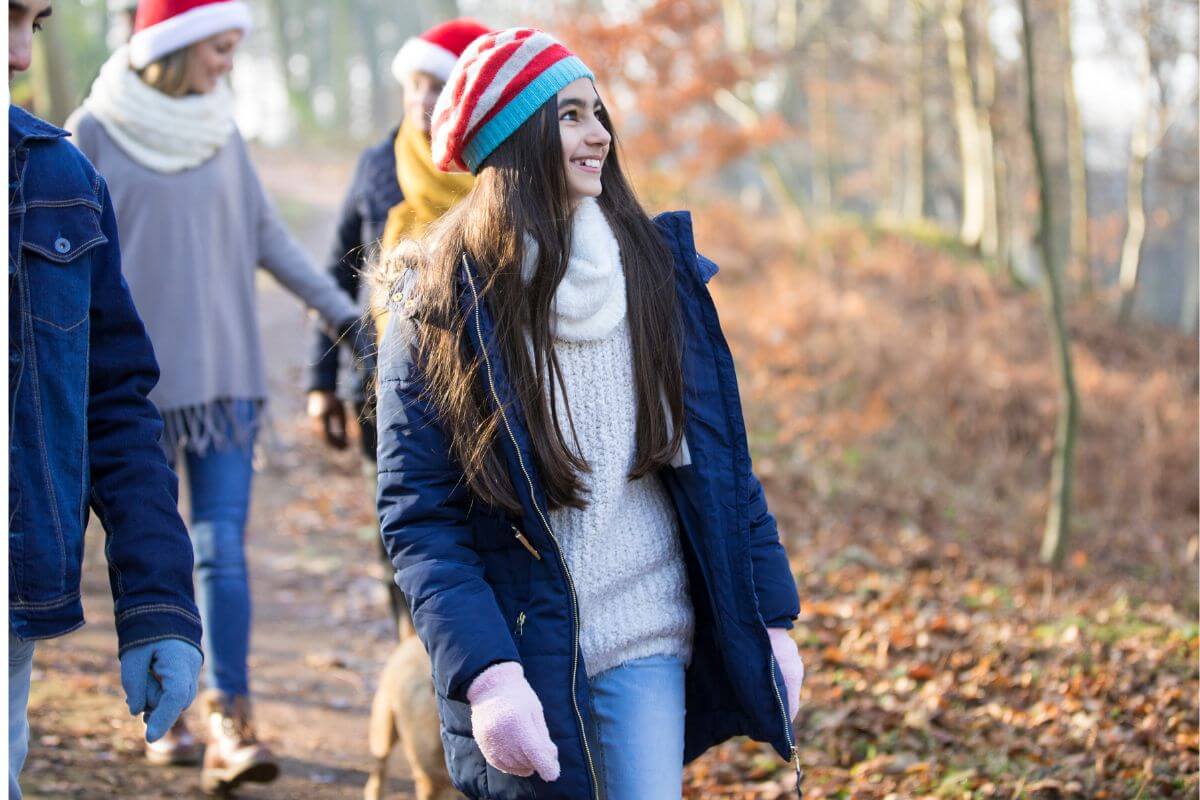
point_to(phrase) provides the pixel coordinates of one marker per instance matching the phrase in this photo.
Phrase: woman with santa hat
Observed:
(195, 224)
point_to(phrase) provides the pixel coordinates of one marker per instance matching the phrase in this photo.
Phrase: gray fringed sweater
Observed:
(623, 550)
(191, 242)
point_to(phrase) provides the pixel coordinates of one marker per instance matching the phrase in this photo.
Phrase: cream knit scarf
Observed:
(590, 301)
(163, 133)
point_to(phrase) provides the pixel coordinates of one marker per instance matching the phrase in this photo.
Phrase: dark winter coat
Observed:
(468, 578)
(373, 191)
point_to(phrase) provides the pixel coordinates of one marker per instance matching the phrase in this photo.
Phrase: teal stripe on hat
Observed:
(521, 108)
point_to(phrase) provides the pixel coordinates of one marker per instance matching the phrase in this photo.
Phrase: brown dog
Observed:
(405, 710)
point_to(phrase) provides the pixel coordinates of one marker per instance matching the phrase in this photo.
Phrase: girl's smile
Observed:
(590, 165)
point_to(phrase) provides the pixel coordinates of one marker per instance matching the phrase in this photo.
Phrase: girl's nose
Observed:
(598, 135)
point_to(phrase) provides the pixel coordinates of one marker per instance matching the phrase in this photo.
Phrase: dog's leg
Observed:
(381, 738)
(404, 626)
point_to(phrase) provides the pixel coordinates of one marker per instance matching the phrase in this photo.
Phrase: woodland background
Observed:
(959, 250)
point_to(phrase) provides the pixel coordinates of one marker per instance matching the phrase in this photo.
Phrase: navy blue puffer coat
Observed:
(468, 578)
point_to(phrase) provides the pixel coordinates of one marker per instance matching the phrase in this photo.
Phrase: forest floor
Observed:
(901, 405)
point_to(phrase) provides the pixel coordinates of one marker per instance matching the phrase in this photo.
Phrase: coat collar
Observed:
(23, 126)
(676, 230)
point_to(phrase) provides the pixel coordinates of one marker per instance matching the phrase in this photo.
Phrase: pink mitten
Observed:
(508, 723)
(787, 655)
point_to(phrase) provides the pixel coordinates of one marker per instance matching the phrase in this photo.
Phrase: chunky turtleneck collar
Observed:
(590, 301)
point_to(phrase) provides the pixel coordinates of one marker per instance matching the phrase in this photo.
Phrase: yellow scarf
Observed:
(428, 194)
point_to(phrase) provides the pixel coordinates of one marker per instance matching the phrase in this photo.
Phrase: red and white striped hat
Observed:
(436, 50)
(500, 81)
(164, 26)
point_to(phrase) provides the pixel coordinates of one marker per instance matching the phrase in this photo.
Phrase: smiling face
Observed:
(211, 59)
(421, 92)
(25, 18)
(585, 141)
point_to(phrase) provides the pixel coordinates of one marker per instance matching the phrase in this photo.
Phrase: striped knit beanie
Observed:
(500, 81)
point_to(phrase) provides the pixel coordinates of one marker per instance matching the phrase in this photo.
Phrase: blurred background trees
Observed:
(908, 112)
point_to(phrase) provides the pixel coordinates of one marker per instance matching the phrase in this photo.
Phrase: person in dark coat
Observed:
(565, 486)
(396, 192)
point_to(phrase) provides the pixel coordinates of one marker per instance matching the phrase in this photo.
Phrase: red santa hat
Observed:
(164, 26)
(436, 50)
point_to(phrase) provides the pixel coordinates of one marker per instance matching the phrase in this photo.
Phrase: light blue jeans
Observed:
(219, 482)
(20, 667)
(637, 713)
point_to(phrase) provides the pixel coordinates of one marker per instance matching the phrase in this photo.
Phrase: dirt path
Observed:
(321, 626)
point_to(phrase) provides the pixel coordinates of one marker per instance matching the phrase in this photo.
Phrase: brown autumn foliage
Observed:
(658, 70)
(907, 381)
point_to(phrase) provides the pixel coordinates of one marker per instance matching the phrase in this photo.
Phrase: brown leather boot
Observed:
(233, 755)
(176, 748)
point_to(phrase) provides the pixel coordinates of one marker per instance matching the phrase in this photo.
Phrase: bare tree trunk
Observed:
(1135, 188)
(787, 18)
(737, 29)
(298, 96)
(1057, 531)
(985, 81)
(967, 124)
(339, 78)
(1188, 316)
(913, 199)
(1076, 166)
(822, 127)
(382, 105)
(772, 173)
(1004, 232)
(1135, 214)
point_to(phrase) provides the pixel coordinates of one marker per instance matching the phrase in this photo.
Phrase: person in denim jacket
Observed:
(83, 434)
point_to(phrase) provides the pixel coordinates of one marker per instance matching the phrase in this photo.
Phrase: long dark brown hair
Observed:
(522, 187)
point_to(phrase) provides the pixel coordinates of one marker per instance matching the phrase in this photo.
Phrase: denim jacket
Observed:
(82, 433)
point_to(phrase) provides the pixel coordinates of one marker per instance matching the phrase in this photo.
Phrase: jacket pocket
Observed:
(54, 241)
(508, 561)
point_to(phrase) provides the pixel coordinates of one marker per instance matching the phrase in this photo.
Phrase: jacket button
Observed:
(61, 245)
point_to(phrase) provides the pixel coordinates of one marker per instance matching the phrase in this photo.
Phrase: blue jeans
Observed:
(20, 667)
(637, 712)
(219, 483)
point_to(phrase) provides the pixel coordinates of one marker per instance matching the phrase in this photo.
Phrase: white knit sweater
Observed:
(623, 550)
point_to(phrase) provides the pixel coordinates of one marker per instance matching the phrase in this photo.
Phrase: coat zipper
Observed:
(587, 751)
(787, 731)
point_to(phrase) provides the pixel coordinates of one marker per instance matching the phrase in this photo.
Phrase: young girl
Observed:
(564, 483)
(195, 224)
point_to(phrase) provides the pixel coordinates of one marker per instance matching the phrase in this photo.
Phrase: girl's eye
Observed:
(569, 116)
(37, 27)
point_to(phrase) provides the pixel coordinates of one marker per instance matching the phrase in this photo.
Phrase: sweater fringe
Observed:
(215, 424)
